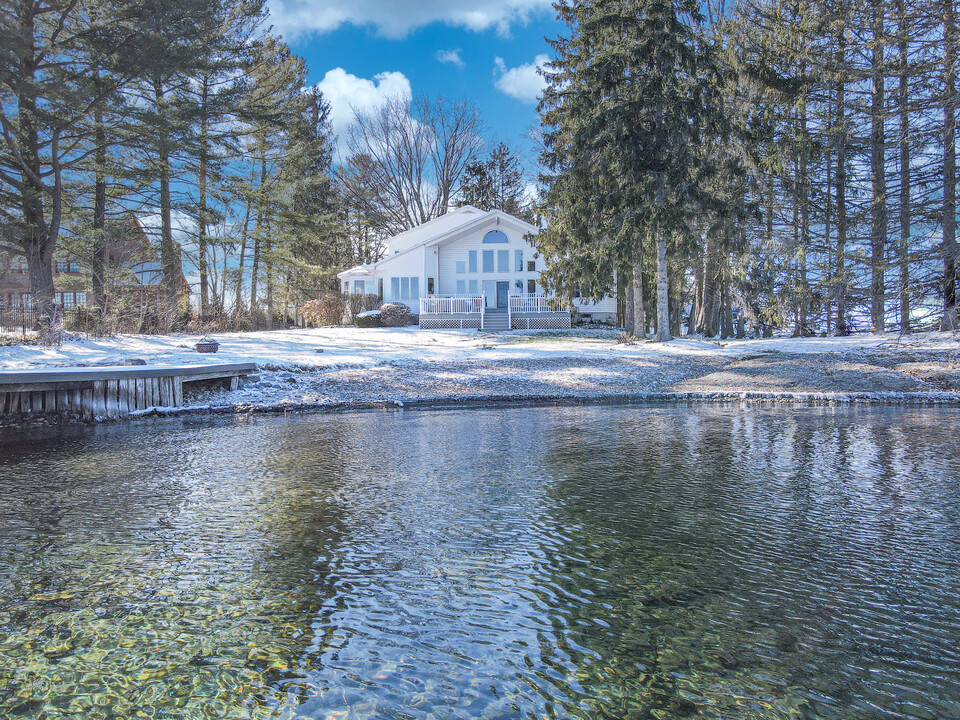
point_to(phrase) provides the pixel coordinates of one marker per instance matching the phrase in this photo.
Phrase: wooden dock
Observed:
(97, 393)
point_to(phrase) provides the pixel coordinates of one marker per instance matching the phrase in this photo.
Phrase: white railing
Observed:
(534, 304)
(449, 305)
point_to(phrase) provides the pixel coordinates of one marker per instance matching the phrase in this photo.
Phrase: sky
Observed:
(361, 51)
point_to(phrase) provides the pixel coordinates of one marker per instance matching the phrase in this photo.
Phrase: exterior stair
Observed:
(495, 320)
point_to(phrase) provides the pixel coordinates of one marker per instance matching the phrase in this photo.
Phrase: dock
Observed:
(98, 393)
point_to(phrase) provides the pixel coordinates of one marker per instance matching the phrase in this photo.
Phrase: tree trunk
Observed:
(258, 232)
(707, 320)
(202, 207)
(639, 312)
(99, 264)
(841, 141)
(663, 299)
(169, 262)
(950, 321)
(803, 195)
(905, 209)
(878, 205)
(244, 233)
(628, 294)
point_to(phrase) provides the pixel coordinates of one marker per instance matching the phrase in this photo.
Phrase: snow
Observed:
(354, 367)
(321, 348)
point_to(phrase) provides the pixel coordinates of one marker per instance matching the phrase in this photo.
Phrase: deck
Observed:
(97, 393)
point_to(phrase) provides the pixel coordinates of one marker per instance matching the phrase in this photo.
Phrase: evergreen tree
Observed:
(632, 98)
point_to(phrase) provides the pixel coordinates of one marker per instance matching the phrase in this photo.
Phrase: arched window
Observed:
(496, 236)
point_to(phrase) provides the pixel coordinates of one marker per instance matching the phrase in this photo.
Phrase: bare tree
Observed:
(407, 159)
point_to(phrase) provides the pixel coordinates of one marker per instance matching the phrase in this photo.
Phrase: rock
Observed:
(134, 361)
(318, 350)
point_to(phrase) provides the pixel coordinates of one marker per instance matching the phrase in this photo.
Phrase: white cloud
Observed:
(524, 82)
(395, 18)
(450, 56)
(346, 93)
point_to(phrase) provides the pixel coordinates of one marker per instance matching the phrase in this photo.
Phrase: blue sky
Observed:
(360, 51)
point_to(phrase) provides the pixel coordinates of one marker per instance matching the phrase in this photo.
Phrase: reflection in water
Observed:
(578, 562)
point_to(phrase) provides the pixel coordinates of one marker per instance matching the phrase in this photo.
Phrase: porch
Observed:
(518, 312)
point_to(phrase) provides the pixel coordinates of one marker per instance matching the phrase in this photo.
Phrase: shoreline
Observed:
(349, 369)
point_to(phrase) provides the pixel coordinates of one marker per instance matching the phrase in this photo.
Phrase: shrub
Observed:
(326, 310)
(357, 304)
(395, 314)
(369, 319)
(626, 338)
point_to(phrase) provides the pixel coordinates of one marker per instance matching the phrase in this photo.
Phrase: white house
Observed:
(468, 268)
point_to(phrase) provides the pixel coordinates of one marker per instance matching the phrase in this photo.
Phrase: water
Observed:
(702, 562)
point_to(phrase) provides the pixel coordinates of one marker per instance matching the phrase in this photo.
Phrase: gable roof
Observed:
(439, 231)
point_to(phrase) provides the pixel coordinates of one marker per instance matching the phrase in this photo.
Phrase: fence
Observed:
(447, 305)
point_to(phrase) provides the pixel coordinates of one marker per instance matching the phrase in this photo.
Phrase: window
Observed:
(395, 288)
(404, 288)
(461, 266)
(519, 258)
(473, 287)
(488, 260)
(430, 286)
(473, 261)
(414, 288)
(532, 287)
(81, 298)
(531, 265)
(461, 287)
(67, 267)
(503, 261)
(496, 236)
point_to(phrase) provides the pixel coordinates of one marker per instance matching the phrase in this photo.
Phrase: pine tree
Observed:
(632, 98)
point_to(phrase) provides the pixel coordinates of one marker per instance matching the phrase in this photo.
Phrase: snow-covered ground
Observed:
(353, 347)
(344, 365)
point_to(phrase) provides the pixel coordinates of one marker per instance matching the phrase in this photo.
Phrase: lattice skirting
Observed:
(559, 321)
(449, 323)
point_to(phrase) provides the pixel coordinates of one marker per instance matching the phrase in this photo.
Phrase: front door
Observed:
(503, 290)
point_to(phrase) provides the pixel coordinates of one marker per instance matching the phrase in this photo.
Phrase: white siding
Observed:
(459, 250)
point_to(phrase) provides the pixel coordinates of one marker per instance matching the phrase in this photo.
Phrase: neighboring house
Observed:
(132, 272)
(15, 283)
(468, 268)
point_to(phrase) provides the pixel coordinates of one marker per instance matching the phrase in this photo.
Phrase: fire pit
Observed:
(207, 345)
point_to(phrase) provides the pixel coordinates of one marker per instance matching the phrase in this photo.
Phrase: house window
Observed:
(81, 298)
(461, 287)
(531, 265)
(503, 261)
(67, 267)
(488, 261)
(473, 287)
(496, 236)
(429, 286)
(519, 260)
(473, 260)
(532, 287)
(405, 288)
(461, 266)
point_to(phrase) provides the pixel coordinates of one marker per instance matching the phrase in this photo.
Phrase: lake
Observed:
(584, 562)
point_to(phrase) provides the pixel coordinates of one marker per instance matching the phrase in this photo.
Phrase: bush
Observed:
(369, 319)
(326, 310)
(395, 314)
(626, 338)
(357, 304)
